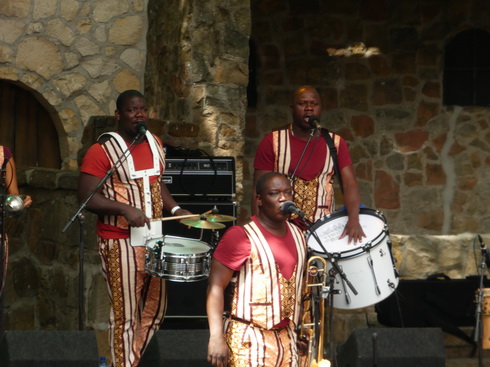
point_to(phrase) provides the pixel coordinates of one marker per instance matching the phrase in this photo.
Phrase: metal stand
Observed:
(478, 338)
(330, 291)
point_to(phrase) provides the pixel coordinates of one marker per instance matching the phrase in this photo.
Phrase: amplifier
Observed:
(212, 177)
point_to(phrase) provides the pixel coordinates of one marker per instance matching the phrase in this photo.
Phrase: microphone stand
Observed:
(478, 338)
(81, 220)
(332, 259)
(336, 269)
(291, 179)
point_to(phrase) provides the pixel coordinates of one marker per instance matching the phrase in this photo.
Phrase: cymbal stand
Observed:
(336, 269)
(215, 236)
(478, 338)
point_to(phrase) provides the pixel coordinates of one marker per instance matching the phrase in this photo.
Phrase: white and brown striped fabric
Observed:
(138, 300)
(315, 197)
(262, 299)
(124, 187)
(260, 286)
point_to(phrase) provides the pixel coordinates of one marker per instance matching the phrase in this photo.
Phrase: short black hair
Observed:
(259, 186)
(125, 95)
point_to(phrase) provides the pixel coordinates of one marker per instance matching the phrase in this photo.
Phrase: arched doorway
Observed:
(27, 128)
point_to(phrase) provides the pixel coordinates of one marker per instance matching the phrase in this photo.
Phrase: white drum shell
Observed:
(368, 266)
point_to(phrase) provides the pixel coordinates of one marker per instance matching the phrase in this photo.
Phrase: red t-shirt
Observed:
(234, 249)
(97, 164)
(310, 165)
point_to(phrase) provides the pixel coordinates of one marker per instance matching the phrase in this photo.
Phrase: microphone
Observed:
(484, 251)
(141, 127)
(314, 122)
(288, 207)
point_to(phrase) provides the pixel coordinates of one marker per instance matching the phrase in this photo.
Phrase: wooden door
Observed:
(27, 128)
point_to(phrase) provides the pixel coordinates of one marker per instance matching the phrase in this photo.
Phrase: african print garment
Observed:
(138, 300)
(132, 187)
(314, 197)
(262, 295)
(262, 298)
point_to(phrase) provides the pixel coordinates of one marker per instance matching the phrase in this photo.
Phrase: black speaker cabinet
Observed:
(48, 349)
(388, 347)
(200, 178)
(177, 348)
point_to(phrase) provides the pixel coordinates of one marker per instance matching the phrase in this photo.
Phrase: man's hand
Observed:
(136, 217)
(218, 351)
(354, 231)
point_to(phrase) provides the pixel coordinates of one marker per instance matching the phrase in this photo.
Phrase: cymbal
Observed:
(204, 224)
(219, 218)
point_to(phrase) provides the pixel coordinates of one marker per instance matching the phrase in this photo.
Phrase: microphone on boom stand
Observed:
(141, 129)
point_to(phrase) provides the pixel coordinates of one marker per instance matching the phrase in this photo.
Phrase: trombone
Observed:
(312, 325)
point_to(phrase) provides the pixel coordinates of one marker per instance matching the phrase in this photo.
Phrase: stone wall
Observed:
(423, 164)
(197, 74)
(75, 57)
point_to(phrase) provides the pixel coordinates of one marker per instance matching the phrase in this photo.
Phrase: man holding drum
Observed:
(300, 151)
(261, 266)
(125, 204)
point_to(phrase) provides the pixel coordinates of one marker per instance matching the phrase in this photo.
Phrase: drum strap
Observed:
(333, 153)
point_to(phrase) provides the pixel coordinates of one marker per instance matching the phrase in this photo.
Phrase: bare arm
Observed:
(168, 201)
(101, 205)
(11, 181)
(352, 202)
(219, 279)
(253, 204)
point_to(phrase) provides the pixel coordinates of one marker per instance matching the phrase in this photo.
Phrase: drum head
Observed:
(182, 246)
(330, 228)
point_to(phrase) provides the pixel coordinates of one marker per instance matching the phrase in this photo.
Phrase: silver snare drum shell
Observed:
(177, 259)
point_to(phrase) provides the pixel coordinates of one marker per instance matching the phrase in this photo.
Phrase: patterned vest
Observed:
(133, 187)
(261, 294)
(315, 197)
(2, 156)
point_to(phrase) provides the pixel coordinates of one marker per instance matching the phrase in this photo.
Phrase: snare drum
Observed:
(177, 258)
(368, 266)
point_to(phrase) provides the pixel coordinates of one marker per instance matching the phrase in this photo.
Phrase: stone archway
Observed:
(27, 128)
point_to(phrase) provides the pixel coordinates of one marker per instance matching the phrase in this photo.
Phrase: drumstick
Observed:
(163, 219)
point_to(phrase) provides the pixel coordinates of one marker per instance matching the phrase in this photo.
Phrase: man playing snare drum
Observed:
(131, 196)
(300, 151)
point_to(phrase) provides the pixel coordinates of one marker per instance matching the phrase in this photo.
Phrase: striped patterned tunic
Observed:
(315, 197)
(262, 296)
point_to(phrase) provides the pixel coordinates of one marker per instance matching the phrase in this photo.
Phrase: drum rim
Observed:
(205, 250)
(359, 248)
(343, 213)
(184, 238)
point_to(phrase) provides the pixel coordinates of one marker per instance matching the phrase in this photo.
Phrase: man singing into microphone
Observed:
(257, 277)
(300, 151)
(125, 204)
